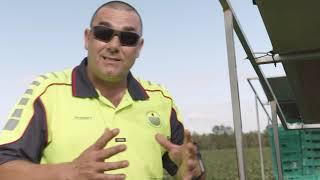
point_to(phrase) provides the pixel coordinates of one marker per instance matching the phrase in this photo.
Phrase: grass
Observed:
(222, 164)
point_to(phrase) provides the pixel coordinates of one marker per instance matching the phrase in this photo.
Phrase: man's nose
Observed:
(114, 44)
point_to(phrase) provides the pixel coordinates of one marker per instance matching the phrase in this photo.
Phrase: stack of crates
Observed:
(300, 154)
(310, 142)
(290, 152)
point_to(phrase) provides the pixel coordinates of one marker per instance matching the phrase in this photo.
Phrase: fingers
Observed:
(91, 161)
(110, 176)
(164, 142)
(108, 166)
(192, 148)
(108, 152)
(187, 170)
(190, 156)
(192, 163)
(105, 138)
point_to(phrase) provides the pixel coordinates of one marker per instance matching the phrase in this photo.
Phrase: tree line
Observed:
(222, 137)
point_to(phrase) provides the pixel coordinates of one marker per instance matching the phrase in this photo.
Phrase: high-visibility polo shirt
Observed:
(61, 114)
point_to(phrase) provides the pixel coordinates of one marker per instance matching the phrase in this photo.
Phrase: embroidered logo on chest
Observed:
(153, 118)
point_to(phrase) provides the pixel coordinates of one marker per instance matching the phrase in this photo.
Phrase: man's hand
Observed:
(90, 164)
(184, 156)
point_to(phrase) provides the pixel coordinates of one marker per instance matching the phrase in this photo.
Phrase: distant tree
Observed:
(221, 129)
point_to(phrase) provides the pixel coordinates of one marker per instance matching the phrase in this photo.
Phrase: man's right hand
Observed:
(91, 165)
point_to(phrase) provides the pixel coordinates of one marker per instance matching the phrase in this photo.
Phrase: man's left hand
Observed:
(184, 156)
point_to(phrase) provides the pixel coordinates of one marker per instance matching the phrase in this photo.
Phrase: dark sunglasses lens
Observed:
(102, 33)
(129, 38)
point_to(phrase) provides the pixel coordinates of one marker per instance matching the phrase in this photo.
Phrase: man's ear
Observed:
(86, 38)
(139, 47)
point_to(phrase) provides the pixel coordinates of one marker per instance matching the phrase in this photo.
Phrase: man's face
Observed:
(111, 61)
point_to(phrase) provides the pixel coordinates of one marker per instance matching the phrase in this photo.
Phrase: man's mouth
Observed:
(110, 58)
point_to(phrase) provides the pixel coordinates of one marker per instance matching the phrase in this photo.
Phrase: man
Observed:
(97, 121)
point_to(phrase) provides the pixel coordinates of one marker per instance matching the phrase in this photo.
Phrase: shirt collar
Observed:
(82, 86)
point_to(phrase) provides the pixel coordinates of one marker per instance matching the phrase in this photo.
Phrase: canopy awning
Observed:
(293, 27)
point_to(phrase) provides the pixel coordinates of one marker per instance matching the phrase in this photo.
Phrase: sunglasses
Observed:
(105, 34)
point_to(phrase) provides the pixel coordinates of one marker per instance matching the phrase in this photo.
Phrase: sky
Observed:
(184, 50)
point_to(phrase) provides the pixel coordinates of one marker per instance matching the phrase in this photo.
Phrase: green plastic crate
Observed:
(310, 136)
(310, 144)
(311, 162)
(311, 170)
(292, 172)
(311, 131)
(300, 154)
(290, 152)
(292, 156)
(288, 166)
(290, 146)
(289, 140)
(311, 152)
(302, 177)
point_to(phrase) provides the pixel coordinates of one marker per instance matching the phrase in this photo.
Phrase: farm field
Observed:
(222, 164)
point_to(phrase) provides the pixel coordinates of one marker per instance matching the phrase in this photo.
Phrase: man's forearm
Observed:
(23, 170)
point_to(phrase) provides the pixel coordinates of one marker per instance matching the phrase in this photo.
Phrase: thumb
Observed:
(187, 136)
(164, 142)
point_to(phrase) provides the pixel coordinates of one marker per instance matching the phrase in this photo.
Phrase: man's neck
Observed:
(113, 91)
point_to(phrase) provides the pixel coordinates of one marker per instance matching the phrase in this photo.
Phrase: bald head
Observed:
(119, 5)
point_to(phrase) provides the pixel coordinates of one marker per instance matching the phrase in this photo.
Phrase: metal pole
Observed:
(259, 138)
(257, 96)
(228, 19)
(276, 138)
